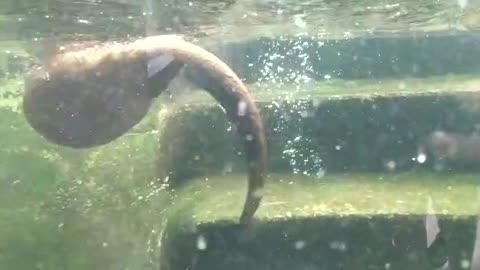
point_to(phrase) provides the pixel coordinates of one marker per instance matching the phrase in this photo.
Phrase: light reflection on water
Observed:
(196, 18)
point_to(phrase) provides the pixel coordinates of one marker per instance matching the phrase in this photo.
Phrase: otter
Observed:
(87, 97)
(459, 151)
(455, 146)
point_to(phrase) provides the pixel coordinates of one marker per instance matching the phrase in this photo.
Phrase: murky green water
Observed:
(340, 165)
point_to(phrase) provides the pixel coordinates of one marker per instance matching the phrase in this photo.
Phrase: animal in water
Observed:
(83, 97)
(454, 148)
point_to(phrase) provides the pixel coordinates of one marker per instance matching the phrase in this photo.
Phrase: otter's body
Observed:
(91, 96)
(453, 147)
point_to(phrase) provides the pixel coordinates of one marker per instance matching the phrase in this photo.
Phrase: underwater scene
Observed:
(239, 134)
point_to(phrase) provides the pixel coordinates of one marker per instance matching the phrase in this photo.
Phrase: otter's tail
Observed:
(223, 84)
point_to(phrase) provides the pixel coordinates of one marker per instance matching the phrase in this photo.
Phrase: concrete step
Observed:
(354, 177)
(339, 126)
(339, 221)
(286, 58)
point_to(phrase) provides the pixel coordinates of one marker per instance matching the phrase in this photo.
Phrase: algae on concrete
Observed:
(340, 89)
(64, 208)
(368, 128)
(214, 198)
(349, 221)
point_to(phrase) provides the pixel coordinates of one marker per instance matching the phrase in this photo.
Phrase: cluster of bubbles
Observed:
(306, 162)
(291, 116)
(285, 62)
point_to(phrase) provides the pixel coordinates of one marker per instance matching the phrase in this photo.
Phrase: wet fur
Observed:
(76, 80)
(453, 149)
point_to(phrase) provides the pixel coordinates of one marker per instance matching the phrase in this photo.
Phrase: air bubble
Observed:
(320, 173)
(83, 21)
(300, 245)
(242, 108)
(201, 243)
(258, 193)
(391, 165)
(298, 20)
(228, 168)
(421, 158)
(338, 245)
(462, 3)
(465, 264)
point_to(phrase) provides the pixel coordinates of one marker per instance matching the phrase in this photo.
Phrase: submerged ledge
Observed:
(358, 221)
(295, 196)
(344, 89)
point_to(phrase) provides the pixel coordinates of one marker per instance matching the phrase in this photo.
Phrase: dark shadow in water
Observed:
(329, 242)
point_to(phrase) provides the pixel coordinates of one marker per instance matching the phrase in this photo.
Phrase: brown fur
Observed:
(454, 147)
(88, 97)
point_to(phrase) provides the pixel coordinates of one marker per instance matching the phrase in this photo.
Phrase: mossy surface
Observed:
(357, 221)
(347, 89)
(63, 208)
(370, 129)
(294, 196)
(340, 209)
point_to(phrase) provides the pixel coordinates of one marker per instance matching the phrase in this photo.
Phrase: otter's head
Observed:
(443, 145)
